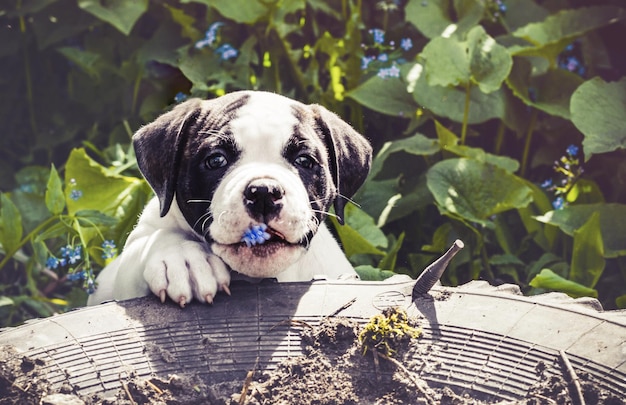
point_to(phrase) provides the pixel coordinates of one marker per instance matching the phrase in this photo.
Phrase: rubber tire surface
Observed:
(484, 339)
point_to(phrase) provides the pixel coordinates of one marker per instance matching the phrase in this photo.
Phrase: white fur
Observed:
(165, 256)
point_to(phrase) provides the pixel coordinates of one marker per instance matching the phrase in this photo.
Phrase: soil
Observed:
(332, 371)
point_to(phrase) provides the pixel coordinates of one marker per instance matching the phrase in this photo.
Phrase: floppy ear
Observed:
(350, 156)
(160, 146)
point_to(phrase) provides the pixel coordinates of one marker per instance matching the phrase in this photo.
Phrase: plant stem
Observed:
(28, 77)
(499, 138)
(529, 136)
(465, 112)
(28, 237)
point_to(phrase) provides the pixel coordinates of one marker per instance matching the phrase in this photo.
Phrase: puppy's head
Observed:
(252, 158)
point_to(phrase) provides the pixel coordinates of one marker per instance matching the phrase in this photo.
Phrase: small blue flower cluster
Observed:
(570, 59)
(569, 170)
(256, 234)
(210, 40)
(75, 194)
(497, 9)
(109, 250)
(67, 255)
(383, 57)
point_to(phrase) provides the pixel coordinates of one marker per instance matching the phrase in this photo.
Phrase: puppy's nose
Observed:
(263, 199)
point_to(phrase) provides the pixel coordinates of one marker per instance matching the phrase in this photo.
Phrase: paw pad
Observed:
(256, 234)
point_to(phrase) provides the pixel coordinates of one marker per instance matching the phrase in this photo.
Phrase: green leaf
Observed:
(598, 111)
(588, 253)
(446, 62)
(121, 14)
(92, 187)
(370, 273)
(479, 59)
(10, 224)
(359, 234)
(475, 190)
(89, 218)
(241, 11)
(199, 67)
(550, 92)
(450, 101)
(387, 96)
(6, 301)
(83, 59)
(549, 37)
(449, 141)
(417, 144)
(55, 199)
(551, 281)
(389, 261)
(436, 18)
(612, 223)
(490, 63)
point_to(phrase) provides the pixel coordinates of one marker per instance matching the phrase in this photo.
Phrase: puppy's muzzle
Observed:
(263, 199)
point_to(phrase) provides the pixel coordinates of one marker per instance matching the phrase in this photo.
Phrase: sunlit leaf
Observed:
(474, 190)
(370, 273)
(438, 17)
(119, 13)
(10, 224)
(388, 96)
(551, 281)
(450, 101)
(588, 253)
(598, 111)
(55, 199)
(549, 37)
(360, 235)
(612, 223)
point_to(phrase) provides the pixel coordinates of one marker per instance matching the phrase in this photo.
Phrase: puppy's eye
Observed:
(305, 161)
(216, 161)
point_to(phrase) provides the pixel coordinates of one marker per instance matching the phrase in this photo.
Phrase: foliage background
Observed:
(497, 122)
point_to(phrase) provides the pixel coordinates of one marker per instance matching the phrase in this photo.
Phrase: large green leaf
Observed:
(435, 18)
(551, 281)
(598, 111)
(612, 223)
(549, 37)
(479, 59)
(588, 253)
(10, 224)
(550, 92)
(388, 96)
(91, 187)
(450, 101)
(121, 14)
(475, 190)
(360, 235)
(241, 11)
(55, 199)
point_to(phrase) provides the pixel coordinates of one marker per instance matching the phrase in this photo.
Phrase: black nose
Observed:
(263, 199)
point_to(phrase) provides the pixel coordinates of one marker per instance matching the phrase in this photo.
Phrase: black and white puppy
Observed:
(222, 166)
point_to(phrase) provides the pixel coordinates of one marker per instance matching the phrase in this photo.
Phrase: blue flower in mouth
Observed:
(256, 234)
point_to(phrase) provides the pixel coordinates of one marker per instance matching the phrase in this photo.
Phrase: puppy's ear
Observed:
(160, 146)
(350, 156)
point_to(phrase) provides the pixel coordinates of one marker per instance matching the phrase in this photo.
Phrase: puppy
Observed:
(223, 167)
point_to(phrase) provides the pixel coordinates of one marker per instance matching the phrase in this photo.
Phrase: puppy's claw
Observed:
(182, 301)
(225, 288)
(208, 298)
(162, 296)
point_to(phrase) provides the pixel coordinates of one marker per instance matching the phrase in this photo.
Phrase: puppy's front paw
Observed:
(184, 271)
